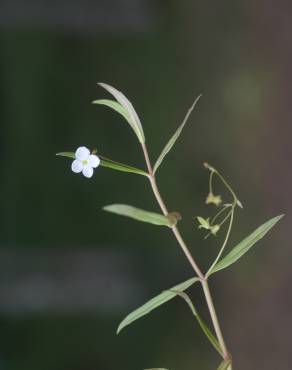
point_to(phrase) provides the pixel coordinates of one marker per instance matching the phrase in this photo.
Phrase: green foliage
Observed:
(225, 214)
(240, 249)
(173, 139)
(140, 215)
(155, 302)
(125, 108)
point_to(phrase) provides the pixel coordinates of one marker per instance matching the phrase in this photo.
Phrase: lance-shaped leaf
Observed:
(67, 154)
(109, 163)
(225, 365)
(141, 215)
(157, 368)
(173, 139)
(240, 249)
(126, 109)
(201, 322)
(155, 302)
(114, 105)
(106, 162)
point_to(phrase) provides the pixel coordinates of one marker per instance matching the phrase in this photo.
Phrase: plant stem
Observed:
(190, 258)
(218, 214)
(214, 318)
(175, 230)
(165, 212)
(224, 243)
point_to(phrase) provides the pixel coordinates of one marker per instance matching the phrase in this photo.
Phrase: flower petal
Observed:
(77, 166)
(93, 160)
(82, 153)
(87, 171)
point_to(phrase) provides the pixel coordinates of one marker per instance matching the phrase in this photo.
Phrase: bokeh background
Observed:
(69, 272)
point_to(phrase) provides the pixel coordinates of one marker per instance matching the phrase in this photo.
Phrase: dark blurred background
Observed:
(69, 272)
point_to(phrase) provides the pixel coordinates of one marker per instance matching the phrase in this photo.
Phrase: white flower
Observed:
(85, 162)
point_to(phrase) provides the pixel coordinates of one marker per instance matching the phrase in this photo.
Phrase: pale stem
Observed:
(175, 230)
(189, 256)
(224, 243)
(219, 213)
(210, 182)
(214, 318)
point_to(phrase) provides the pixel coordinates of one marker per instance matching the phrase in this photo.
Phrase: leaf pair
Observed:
(124, 107)
(157, 219)
(164, 297)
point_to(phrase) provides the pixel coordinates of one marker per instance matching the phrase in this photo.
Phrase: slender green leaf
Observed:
(201, 322)
(131, 115)
(115, 106)
(245, 245)
(140, 215)
(173, 139)
(155, 302)
(105, 162)
(109, 163)
(157, 368)
(67, 154)
(224, 365)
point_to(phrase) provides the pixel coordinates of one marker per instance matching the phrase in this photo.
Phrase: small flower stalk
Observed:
(85, 162)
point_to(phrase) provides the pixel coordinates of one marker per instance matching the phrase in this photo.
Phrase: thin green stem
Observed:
(219, 213)
(226, 217)
(211, 182)
(222, 222)
(227, 186)
(231, 215)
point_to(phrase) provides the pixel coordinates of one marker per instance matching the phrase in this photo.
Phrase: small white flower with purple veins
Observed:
(85, 162)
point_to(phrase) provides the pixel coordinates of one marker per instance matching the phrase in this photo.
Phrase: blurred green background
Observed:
(69, 272)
